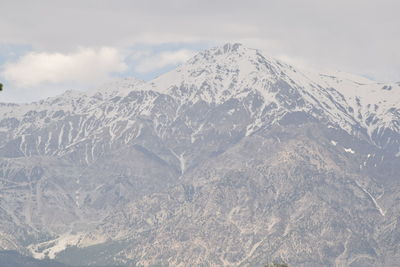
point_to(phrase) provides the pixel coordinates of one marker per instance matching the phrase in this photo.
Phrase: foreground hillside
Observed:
(13, 259)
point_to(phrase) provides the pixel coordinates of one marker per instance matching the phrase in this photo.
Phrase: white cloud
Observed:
(87, 65)
(139, 54)
(163, 59)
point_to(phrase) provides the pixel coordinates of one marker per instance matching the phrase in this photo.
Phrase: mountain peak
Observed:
(119, 86)
(232, 47)
(226, 50)
(218, 73)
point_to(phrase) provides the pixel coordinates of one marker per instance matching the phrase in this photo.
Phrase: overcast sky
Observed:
(48, 46)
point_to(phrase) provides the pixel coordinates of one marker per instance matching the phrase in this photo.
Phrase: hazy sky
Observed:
(47, 46)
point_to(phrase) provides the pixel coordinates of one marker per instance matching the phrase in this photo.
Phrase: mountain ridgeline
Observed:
(231, 159)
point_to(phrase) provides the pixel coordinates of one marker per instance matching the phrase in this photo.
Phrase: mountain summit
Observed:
(231, 159)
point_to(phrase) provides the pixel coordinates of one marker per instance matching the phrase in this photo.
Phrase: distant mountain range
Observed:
(231, 159)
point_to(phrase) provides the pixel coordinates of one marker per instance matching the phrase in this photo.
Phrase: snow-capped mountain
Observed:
(233, 158)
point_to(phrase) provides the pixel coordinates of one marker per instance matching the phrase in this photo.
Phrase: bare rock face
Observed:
(232, 159)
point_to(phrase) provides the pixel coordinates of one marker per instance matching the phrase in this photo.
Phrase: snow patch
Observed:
(182, 160)
(381, 211)
(51, 248)
(349, 150)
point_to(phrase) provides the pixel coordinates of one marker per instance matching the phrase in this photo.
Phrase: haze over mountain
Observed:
(231, 159)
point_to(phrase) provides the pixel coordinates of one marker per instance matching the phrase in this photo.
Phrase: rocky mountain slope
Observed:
(232, 159)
